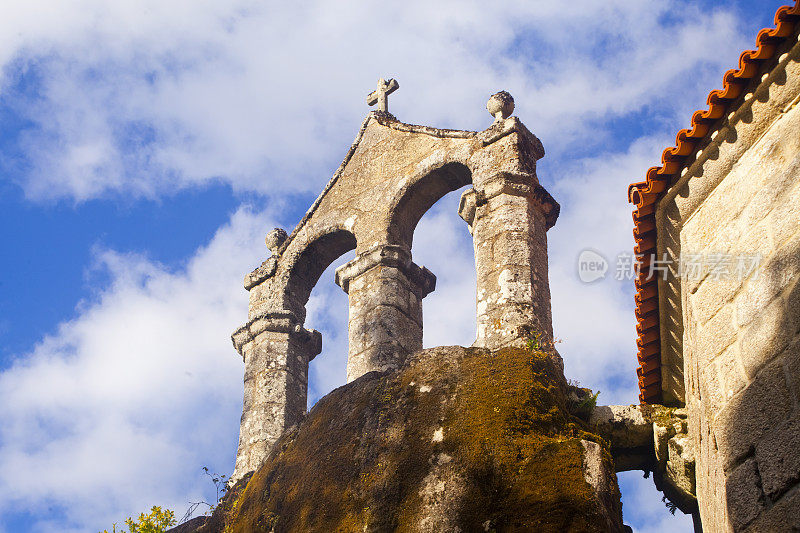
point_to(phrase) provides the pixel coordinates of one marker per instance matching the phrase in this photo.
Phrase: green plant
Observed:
(157, 521)
(672, 507)
(583, 402)
(220, 483)
(534, 342)
(588, 403)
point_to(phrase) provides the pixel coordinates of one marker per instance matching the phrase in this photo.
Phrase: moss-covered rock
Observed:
(459, 439)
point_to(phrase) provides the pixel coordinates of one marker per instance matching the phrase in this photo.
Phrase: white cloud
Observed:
(596, 321)
(643, 509)
(145, 98)
(442, 243)
(119, 408)
(327, 311)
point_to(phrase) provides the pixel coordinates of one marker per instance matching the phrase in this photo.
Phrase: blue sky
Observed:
(147, 147)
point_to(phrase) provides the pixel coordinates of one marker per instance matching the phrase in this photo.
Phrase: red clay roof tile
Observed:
(645, 194)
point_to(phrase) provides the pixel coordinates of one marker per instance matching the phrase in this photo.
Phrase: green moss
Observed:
(363, 453)
(659, 414)
(512, 427)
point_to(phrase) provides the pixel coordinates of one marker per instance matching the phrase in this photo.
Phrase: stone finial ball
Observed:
(275, 238)
(500, 105)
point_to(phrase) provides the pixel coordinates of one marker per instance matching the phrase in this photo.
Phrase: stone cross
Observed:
(380, 96)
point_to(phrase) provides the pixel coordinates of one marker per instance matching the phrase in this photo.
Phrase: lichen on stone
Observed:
(509, 455)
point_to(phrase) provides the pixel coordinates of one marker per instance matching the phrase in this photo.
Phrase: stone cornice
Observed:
(389, 120)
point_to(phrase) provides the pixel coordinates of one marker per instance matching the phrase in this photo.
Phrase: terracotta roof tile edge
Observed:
(645, 194)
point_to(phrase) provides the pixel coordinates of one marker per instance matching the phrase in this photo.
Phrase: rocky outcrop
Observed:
(457, 439)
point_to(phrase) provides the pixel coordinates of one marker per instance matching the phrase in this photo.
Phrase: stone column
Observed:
(276, 351)
(385, 290)
(508, 215)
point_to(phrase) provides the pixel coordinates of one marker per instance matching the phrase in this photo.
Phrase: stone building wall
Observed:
(738, 332)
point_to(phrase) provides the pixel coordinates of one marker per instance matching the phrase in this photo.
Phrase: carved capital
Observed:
(519, 184)
(388, 255)
(280, 322)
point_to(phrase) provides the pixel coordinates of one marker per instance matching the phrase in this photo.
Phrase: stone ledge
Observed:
(626, 426)
(384, 118)
(651, 437)
(467, 206)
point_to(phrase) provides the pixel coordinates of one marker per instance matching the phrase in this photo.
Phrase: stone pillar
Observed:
(385, 290)
(276, 351)
(508, 215)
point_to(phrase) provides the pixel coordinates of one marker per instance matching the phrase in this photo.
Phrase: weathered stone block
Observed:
(764, 404)
(384, 324)
(774, 187)
(732, 376)
(791, 361)
(784, 221)
(726, 237)
(743, 494)
(715, 335)
(600, 478)
(680, 467)
(711, 387)
(719, 209)
(782, 516)
(381, 289)
(711, 295)
(517, 247)
(467, 206)
(626, 426)
(768, 334)
(754, 240)
(772, 278)
(778, 455)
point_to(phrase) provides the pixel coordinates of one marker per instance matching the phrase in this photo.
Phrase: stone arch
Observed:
(391, 176)
(306, 265)
(413, 201)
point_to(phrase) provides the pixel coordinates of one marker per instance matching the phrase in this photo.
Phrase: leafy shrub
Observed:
(157, 521)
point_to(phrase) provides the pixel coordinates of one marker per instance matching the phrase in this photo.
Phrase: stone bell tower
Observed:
(393, 173)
